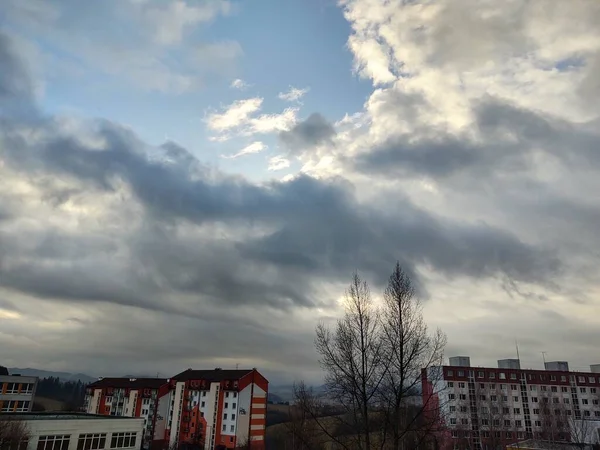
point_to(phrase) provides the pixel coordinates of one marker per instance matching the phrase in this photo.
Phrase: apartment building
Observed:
(213, 409)
(210, 409)
(16, 392)
(485, 408)
(126, 397)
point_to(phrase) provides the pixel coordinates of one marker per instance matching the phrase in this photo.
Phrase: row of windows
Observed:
(123, 440)
(530, 376)
(13, 388)
(18, 444)
(56, 442)
(504, 398)
(514, 387)
(91, 441)
(225, 416)
(231, 428)
(14, 405)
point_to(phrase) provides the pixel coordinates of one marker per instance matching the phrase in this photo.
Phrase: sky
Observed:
(192, 183)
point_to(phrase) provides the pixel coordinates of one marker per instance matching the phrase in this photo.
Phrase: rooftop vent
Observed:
(460, 361)
(559, 366)
(509, 364)
(595, 368)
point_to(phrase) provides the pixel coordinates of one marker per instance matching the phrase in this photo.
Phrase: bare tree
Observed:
(373, 360)
(14, 434)
(407, 349)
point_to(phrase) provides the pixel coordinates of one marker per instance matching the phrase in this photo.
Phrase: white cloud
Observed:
(240, 119)
(294, 94)
(278, 163)
(254, 147)
(238, 83)
(235, 115)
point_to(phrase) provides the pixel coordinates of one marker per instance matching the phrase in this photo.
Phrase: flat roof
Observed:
(60, 416)
(128, 383)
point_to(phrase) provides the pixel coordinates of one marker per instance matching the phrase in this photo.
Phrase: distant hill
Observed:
(63, 376)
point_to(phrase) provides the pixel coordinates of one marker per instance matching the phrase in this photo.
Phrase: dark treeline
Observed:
(71, 393)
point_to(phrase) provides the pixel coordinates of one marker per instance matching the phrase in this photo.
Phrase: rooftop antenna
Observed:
(517, 345)
(237, 366)
(544, 358)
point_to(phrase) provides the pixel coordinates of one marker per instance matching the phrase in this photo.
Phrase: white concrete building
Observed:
(16, 393)
(78, 431)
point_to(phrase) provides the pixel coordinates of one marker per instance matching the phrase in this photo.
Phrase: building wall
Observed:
(17, 393)
(515, 403)
(76, 427)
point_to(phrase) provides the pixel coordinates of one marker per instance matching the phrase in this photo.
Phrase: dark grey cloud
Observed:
(509, 137)
(308, 133)
(181, 246)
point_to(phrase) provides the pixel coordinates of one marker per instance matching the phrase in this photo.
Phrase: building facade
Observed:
(126, 397)
(209, 409)
(75, 431)
(213, 409)
(17, 393)
(485, 408)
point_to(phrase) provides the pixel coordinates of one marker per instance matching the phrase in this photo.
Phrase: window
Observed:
(566, 400)
(516, 399)
(454, 433)
(509, 434)
(461, 385)
(584, 401)
(555, 400)
(452, 408)
(495, 410)
(518, 424)
(494, 398)
(581, 379)
(538, 423)
(225, 416)
(546, 400)
(481, 386)
(563, 378)
(532, 388)
(202, 404)
(23, 406)
(563, 389)
(520, 435)
(227, 394)
(595, 402)
(8, 405)
(485, 434)
(507, 423)
(226, 405)
(485, 422)
(452, 420)
(450, 384)
(586, 413)
(517, 410)
(463, 409)
(91, 441)
(582, 390)
(451, 396)
(568, 411)
(543, 388)
(482, 397)
(492, 386)
(591, 379)
(513, 376)
(204, 394)
(224, 427)
(496, 422)
(502, 376)
(464, 421)
(536, 411)
(502, 386)
(597, 413)
(492, 375)
(233, 405)
(450, 373)
(10, 444)
(554, 389)
(534, 399)
(513, 387)
(557, 412)
(462, 397)
(461, 373)
(108, 400)
(480, 374)
(497, 434)
(505, 411)
(55, 442)
(593, 390)
(233, 417)
(123, 440)
(504, 398)
(552, 377)
(234, 394)
(231, 428)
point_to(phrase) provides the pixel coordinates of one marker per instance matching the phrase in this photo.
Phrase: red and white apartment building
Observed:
(209, 409)
(488, 407)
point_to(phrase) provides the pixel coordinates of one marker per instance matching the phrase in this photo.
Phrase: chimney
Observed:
(558, 366)
(509, 364)
(460, 361)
